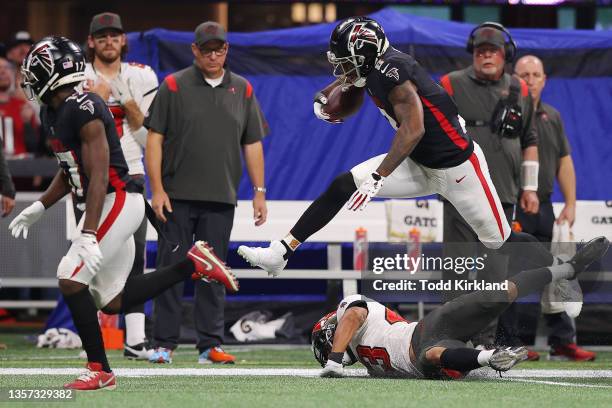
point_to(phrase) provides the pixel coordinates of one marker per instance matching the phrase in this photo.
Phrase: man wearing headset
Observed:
(497, 109)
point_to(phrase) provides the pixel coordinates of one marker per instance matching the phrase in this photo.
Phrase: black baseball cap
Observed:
(20, 37)
(105, 21)
(209, 31)
(489, 35)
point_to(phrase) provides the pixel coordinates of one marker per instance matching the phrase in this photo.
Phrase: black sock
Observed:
(139, 289)
(137, 270)
(325, 207)
(461, 359)
(531, 281)
(521, 245)
(85, 315)
(288, 250)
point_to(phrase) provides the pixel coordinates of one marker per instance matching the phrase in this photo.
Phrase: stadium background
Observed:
(286, 66)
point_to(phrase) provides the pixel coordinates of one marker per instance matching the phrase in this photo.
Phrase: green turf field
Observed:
(287, 378)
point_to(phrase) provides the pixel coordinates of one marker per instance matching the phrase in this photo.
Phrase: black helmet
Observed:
(323, 340)
(354, 46)
(51, 63)
(323, 337)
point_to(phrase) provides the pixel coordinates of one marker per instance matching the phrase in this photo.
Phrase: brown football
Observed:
(343, 101)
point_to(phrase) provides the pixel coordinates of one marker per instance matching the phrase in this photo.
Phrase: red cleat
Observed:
(571, 352)
(532, 355)
(209, 267)
(93, 379)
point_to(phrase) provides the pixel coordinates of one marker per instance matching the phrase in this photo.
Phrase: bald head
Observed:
(531, 70)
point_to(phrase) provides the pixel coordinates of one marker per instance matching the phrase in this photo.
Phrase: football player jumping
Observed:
(431, 152)
(94, 273)
(434, 347)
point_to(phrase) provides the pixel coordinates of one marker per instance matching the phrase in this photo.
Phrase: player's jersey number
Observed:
(375, 358)
(70, 167)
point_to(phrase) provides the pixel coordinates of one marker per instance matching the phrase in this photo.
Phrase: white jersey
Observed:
(382, 343)
(142, 81)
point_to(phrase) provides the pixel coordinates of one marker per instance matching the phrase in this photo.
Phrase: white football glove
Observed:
(368, 189)
(121, 91)
(88, 250)
(319, 102)
(25, 219)
(332, 370)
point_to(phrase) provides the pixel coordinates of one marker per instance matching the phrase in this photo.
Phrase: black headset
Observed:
(509, 46)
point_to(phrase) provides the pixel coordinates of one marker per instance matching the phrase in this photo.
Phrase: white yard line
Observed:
(202, 372)
(514, 375)
(547, 373)
(565, 384)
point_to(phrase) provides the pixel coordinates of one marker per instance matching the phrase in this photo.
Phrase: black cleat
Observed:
(137, 352)
(592, 251)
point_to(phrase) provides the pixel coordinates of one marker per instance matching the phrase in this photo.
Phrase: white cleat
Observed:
(269, 259)
(504, 359)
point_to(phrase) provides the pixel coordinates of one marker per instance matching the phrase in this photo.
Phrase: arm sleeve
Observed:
(446, 83)
(564, 147)
(529, 136)
(90, 108)
(149, 89)
(7, 188)
(397, 73)
(157, 116)
(351, 301)
(256, 126)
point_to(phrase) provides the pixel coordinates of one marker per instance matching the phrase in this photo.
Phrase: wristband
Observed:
(529, 175)
(336, 357)
(259, 189)
(90, 232)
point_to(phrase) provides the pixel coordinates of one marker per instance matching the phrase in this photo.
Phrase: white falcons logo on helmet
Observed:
(42, 56)
(361, 35)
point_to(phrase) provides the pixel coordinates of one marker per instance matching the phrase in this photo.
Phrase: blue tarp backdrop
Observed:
(303, 154)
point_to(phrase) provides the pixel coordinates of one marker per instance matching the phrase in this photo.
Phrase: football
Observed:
(343, 101)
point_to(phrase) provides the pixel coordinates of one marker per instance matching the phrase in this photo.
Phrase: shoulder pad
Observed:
(137, 64)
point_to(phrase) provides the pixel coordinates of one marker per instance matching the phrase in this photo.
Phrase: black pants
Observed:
(454, 323)
(540, 225)
(191, 221)
(461, 241)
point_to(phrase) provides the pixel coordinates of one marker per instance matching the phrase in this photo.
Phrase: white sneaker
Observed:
(269, 259)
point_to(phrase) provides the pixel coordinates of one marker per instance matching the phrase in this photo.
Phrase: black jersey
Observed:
(63, 126)
(445, 142)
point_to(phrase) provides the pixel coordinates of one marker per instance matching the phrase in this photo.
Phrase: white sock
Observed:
(484, 356)
(135, 328)
(561, 258)
(563, 271)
